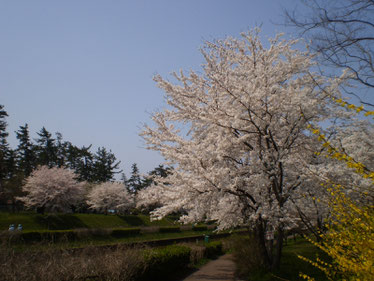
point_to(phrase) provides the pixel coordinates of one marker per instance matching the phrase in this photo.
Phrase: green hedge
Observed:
(125, 232)
(213, 249)
(50, 236)
(169, 229)
(199, 228)
(71, 235)
(160, 262)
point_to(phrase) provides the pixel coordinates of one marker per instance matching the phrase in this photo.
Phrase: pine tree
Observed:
(159, 171)
(61, 150)
(7, 160)
(135, 182)
(105, 165)
(25, 151)
(82, 161)
(46, 149)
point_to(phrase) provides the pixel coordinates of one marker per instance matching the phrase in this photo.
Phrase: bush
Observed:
(125, 232)
(213, 249)
(86, 233)
(169, 229)
(199, 228)
(49, 236)
(161, 262)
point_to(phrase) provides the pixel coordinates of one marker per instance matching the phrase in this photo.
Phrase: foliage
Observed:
(123, 232)
(104, 166)
(236, 136)
(168, 229)
(349, 240)
(110, 196)
(134, 183)
(25, 151)
(52, 189)
(199, 227)
(213, 249)
(162, 261)
(7, 157)
(46, 149)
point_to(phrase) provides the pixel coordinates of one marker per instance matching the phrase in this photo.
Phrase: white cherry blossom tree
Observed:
(236, 135)
(52, 189)
(110, 196)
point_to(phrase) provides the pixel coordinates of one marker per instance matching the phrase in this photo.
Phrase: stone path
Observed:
(221, 269)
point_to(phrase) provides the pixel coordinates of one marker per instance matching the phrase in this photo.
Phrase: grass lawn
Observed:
(32, 221)
(105, 240)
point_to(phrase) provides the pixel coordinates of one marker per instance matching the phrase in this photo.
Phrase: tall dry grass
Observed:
(91, 263)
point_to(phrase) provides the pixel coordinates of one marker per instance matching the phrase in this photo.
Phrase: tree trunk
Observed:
(278, 248)
(259, 235)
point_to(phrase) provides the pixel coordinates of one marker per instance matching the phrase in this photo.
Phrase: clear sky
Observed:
(84, 68)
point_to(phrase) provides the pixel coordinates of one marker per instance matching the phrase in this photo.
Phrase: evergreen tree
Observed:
(135, 183)
(46, 149)
(61, 151)
(7, 159)
(159, 171)
(82, 161)
(105, 165)
(25, 151)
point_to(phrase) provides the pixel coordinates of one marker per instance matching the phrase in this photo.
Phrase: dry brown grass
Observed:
(91, 263)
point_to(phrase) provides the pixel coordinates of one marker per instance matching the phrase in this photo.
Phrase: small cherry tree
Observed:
(52, 189)
(110, 196)
(236, 135)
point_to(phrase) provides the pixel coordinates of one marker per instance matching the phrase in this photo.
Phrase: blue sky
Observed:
(84, 68)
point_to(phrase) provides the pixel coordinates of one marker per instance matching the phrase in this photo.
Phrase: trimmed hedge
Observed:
(169, 229)
(160, 262)
(125, 232)
(53, 235)
(213, 249)
(199, 228)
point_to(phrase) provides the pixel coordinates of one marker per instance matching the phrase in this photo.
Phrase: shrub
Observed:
(213, 249)
(49, 236)
(160, 262)
(125, 232)
(199, 228)
(86, 233)
(169, 229)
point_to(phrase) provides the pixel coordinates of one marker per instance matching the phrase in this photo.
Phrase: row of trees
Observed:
(59, 189)
(53, 151)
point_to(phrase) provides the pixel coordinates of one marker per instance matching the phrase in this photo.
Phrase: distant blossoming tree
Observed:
(52, 189)
(110, 196)
(236, 135)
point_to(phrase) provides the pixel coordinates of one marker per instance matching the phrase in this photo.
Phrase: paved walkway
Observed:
(221, 269)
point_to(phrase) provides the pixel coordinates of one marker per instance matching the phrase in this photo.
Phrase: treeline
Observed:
(53, 151)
